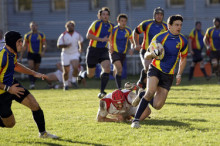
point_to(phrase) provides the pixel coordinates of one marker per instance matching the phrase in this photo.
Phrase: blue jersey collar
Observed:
(11, 54)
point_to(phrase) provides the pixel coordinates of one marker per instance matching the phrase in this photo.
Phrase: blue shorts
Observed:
(6, 101)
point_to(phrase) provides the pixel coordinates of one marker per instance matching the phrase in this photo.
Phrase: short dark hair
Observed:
(216, 19)
(173, 18)
(197, 22)
(104, 9)
(122, 16)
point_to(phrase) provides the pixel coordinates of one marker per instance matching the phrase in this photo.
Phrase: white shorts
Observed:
(66, 58)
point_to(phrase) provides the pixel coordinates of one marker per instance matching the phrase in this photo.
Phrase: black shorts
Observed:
(6, 101)
(35, 57)
(215, 55)
(165, 80)
(96, 55)
(115, 56)
(197, 56)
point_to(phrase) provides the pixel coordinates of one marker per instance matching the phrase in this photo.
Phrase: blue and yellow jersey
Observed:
(7, 65)
(214, 38)
(174, 47)
(100, 29)
(120, 39)
(150, 28)
(197, 39)
(35, 41)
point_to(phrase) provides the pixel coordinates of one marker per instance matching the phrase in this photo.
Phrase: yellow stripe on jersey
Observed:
(114, 41)
(3, 70)
(211, 41)
(97, 35)
(146, 43)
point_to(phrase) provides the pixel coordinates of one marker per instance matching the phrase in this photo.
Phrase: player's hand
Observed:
(42, 54)
(14, 89)
(178, 79)
(105, 39)
(80, 50)
(40, 75)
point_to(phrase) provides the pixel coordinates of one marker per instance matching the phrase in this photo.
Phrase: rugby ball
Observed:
(158, 50)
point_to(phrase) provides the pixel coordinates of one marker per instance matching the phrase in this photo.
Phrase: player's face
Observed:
(104, 16)
(217, 24)
(122, 23)
(19, 45)
(70, 27)
(119, 106)
(158, 17)
(198, 26)
(176, 27)
(33, 27)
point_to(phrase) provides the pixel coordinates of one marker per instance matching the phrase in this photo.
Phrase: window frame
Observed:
(137, 7)
(58, 10)
(212, 5)
(175, 6)
(22, 11)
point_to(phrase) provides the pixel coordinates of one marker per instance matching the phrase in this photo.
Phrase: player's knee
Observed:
(10, 124)
(158, 105)
(149, 95)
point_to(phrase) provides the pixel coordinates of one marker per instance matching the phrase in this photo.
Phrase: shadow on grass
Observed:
(195, 104)
(185, 89)
(71, 142)
(200, 98)
(165, 123)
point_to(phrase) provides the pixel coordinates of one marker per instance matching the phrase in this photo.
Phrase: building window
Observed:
(213, 2)
(176, 3)
(23, 5)
(137, 3)
(58, 5)
(97, 4)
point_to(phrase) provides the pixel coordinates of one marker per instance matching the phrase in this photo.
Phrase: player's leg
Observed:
(105, 65)
(38, 115)
(75, 65)
(66, 70)
(160, 98)
(191, 70)
(31, 66)
(118, 71)
(202, 68)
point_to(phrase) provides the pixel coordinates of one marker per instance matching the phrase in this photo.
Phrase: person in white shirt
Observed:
(2, 40)
(71, 43)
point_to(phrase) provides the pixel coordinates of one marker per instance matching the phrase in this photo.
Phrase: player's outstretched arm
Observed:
(182, 65)
(23, 69)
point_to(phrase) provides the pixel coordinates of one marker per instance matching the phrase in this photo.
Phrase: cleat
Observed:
(137, 99)
(101, 95)
(65, 88)
(75, 85)
(47, 135)
(135, 124)
(79, 78)
(32, 86)
(130, 86)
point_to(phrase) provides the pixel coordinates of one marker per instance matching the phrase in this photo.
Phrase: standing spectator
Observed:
(195, 46)
(71, 43)
(150, 28)
(1, 39)
(161, 72)
(119, 45)
(97, 52)
(11, 89)
(35, 41)
(212, 42)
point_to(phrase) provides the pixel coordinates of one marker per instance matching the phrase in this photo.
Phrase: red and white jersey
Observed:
(107, 107)
(73, 39)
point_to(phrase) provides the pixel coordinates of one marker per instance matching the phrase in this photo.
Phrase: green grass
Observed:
(189, 117)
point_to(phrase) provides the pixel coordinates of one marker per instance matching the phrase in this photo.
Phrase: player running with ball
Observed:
(161, 72)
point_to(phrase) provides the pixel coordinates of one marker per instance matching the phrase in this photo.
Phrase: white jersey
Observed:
(74, 39)
(107, 107)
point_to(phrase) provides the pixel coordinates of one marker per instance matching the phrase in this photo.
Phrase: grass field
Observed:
(190, 116)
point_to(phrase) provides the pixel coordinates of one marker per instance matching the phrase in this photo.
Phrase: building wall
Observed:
(52, 23)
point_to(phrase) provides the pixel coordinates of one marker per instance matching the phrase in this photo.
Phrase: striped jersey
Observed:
(150, 28)
(7, 65)
(197, 39)
(214, 38)
(35, 41)
(174, 47)
(100, 29)
(120, 39)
